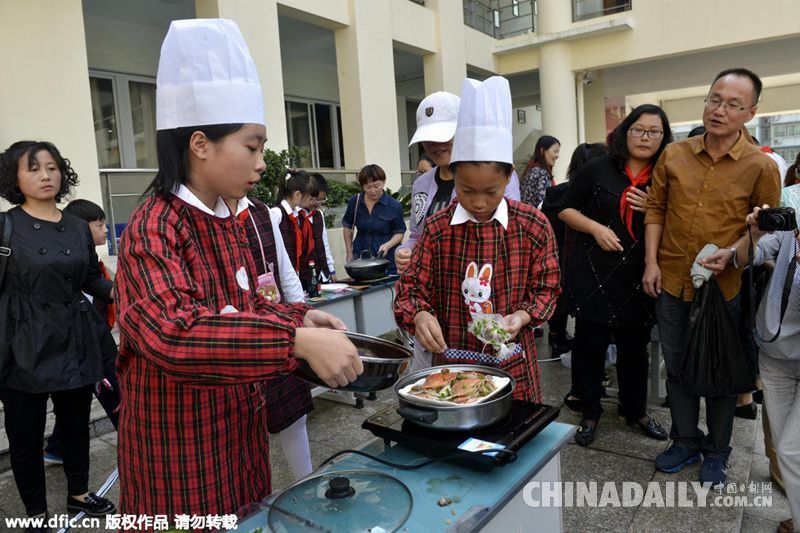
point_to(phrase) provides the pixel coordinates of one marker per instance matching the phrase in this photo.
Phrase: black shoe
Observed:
(749, 411)
(557, 348)
(94, 505)
(585, 434)
(573, 405)
(561, 339)
(43, 529)
(758, 396)
(651, 428)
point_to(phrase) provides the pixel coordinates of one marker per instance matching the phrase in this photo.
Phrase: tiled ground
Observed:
(620, 454)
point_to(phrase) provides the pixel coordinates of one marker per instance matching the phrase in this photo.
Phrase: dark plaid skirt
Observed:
(517, 365)
(288, 398)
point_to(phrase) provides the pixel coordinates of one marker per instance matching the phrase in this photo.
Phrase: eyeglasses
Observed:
(712, 102)
(651, 134)
(317, 201)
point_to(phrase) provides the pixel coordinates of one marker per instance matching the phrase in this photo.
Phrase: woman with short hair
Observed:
(375, 217)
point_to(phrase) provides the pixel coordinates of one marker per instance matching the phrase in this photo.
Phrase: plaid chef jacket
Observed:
(192, 434)
(525, 276)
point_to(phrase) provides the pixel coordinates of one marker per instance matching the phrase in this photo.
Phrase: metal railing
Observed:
(500, 18)
(589, 9)
(122, 188)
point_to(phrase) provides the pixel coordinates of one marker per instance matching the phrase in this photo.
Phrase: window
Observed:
(317, 128)
(515, 7)
(124, 113)
(143, 121)
(588, 9)
(104, 113)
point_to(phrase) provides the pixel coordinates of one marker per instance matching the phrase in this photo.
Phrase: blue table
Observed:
(339, 304)
(489, 501)
(375, 309)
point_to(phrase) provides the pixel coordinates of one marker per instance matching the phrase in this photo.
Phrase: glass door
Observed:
(124, 113)
(104, 113)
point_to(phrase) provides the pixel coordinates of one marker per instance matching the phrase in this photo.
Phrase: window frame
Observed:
(120, 87)
(336, 112)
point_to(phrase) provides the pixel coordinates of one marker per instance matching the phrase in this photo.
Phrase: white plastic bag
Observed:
(490, 330)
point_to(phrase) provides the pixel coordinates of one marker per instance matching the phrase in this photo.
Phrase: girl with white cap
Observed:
(198, 345)
(484, 254)
(437, 115)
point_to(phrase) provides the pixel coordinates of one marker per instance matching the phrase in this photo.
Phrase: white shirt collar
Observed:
(288, 208)
(244, 203)
(461, 215)
(220, 209)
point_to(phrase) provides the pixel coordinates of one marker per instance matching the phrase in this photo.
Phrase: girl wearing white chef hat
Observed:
(437, 116)
(484, 256)
(198, 345)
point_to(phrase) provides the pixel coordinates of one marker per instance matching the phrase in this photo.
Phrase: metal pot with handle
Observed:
(457, 417)
(384, 363)
(367, 268)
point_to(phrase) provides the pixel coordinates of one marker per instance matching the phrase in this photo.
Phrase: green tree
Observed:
(277, 163)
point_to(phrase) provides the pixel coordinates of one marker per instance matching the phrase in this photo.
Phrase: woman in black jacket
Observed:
(53, 343)
(605, 205)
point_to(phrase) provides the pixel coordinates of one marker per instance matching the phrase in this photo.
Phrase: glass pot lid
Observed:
(349, 500)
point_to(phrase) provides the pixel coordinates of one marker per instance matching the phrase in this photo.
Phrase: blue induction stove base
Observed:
(470, 490)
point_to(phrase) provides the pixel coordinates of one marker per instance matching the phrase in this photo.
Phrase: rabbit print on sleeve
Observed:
(477, 288)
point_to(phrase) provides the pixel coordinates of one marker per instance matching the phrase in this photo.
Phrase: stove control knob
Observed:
(339, 488)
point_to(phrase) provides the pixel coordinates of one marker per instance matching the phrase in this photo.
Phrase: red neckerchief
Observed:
(303, 236)
(243, 215)
(625, 211)
(766, 150)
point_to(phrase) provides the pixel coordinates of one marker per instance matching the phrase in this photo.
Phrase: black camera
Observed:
(777, 219)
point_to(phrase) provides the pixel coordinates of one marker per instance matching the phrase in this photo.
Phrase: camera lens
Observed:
(776, 220)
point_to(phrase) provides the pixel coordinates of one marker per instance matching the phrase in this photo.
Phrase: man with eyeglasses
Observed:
(703, 187)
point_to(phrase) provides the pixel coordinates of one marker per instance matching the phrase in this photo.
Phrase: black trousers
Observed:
(673, 316)
(108, 398)
(25, 415)
(588, 362)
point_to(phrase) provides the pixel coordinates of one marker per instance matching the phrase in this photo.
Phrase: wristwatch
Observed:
(733, 256)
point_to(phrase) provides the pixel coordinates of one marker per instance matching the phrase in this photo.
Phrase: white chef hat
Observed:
(437, 116)
(483, 132)
(206, 76)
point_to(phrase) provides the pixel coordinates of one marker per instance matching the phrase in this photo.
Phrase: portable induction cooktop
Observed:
(525, 421)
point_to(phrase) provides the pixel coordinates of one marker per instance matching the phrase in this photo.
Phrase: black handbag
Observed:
(6, 227)
(715, 363)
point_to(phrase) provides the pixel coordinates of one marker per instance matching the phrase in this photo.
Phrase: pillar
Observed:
(367, 90)
(594, 107)
(557, 82)
(446, 69)
(258, 21)
(54, 107)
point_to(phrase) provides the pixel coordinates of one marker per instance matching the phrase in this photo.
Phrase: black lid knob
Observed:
(339, 488)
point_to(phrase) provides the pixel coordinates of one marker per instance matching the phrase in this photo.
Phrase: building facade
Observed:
(342, 78)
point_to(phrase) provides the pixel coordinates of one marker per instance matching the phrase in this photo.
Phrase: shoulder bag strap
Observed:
(5, 243)
(260, 242)
(787, 288)
(355, 215)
